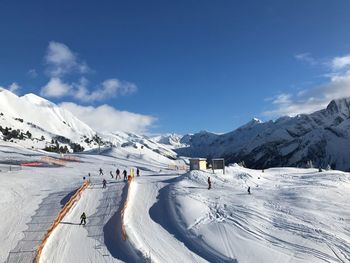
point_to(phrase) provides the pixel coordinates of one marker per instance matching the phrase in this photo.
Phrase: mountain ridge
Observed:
(322, 137)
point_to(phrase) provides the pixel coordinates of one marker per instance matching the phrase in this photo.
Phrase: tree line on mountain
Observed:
(57, 148)
(10, 134)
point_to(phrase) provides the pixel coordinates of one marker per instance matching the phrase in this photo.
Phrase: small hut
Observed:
(198, 164)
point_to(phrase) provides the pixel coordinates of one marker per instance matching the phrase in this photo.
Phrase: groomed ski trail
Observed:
(148, 236)
(100, 240)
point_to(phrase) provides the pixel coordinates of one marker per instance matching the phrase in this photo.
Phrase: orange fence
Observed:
(48, 159)
(59, 218)
(70, 158)
(122, 212)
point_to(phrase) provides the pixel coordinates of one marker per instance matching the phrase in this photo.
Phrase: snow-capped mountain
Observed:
(34, 122)
(171, 139)
(141, 142)
(322, 137)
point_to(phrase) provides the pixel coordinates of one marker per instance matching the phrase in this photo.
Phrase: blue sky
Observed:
(177, 66)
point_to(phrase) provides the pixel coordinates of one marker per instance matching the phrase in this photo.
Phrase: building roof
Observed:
(198, 159)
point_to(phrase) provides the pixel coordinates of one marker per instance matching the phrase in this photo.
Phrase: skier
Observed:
(137, 172)
(111, 174)
(249, 190)
(117, 174)
(101, 171)
(104, 183)
(89, 177)
(125, 177)
(209, 183)
(83, 219)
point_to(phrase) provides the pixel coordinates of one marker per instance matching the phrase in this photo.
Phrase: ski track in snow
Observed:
(277, 217)
(148, 235)
(25, 249)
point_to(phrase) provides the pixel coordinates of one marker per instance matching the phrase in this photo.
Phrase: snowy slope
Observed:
(44, 121)
(322, 137)
(31, 197)
(42, 113)
(173, 140)
(41, 118)
(292, 215)
(140, 142)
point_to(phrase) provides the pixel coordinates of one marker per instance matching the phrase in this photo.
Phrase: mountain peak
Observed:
(253, 122)
(37, 100)
(7, 92)
(339, 106)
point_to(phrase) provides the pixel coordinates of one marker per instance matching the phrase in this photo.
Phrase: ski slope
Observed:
(292, 215)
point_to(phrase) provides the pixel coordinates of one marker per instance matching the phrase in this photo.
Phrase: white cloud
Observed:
(306, 57)
(309, 100)
(14, 87)
(339, 63)
(110, 88)
(282, 99)
(313, 99)
(32, 73)
(105, 118)
(56, 88)
(61, 60)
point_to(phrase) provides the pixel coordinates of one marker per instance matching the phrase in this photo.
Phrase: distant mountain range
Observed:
(322, 137)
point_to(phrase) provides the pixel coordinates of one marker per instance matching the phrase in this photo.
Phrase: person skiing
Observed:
(209, 183)
(104, 183)
(111, 174)
(125, 177)
(137, 172)
(117, 174)
(83, 219)
(249, 190)
(101, 171)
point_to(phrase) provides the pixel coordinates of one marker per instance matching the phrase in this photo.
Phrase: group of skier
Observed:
(104, 185)
(117, 174)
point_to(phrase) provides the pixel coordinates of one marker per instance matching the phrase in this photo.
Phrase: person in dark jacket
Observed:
(104, 183)
(83, 219)
(101, 171)
(117, 174)
(137, 172)
(111, 174)
(249, 190)
(209, 183)
(125, 175)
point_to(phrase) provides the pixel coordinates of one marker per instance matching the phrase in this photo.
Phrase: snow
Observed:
(42, 113)
(292, 215)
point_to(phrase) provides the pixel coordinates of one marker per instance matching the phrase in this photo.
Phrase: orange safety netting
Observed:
(59, 218)
(48, 159)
